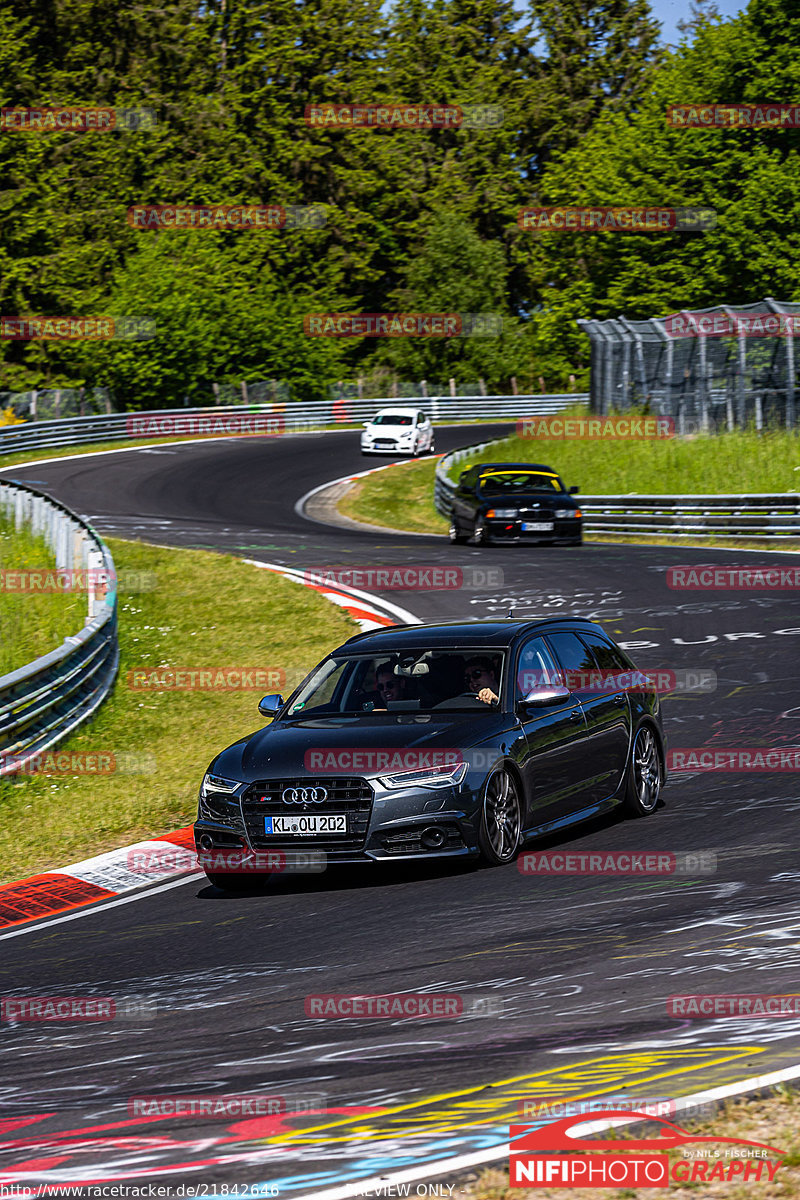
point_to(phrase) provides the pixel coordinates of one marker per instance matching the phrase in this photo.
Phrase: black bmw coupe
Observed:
(513, 503)
(458, 739)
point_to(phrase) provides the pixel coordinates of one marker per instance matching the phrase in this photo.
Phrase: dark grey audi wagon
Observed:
(457, 739)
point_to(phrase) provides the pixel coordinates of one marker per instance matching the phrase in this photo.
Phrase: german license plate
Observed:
(537, 526)
(301, 824)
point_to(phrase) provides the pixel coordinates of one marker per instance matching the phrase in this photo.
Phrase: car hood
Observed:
(311, 746)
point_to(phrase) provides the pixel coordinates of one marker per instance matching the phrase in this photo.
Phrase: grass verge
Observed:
(399, 498)
(206, 611)
(32, 623)
(402, 496)
(742, 461)
(774, 1120)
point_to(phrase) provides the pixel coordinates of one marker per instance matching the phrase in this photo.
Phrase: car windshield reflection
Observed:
(415, 681)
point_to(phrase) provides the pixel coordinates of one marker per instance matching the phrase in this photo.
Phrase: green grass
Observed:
(32, 624)
(399, 498)
(742, 461)
(206, 610)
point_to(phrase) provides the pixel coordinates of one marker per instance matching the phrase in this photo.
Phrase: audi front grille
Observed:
(351, 796)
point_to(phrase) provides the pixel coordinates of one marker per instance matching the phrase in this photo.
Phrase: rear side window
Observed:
(575, 660)
(609, 657)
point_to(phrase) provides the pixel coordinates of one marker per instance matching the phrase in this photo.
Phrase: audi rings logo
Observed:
(304, 795)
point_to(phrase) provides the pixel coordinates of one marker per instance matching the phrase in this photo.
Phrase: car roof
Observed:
(514, 466)
(443, 635)
(396, 408)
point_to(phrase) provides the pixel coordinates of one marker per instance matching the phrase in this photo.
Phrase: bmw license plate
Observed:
(313, 823)
(537, 526)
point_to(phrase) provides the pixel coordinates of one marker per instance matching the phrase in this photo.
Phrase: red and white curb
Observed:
(143, 864)
(366, 610)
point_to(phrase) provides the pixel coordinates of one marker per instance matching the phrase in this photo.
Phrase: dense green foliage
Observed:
(417, 220)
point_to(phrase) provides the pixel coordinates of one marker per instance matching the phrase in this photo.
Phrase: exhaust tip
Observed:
(206, 842)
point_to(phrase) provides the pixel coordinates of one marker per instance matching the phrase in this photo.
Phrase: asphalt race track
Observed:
(583, 964)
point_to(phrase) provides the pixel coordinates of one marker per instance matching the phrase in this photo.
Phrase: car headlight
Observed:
(436, 777)
(504, 514)
(218, 801)
(215, 785)
(563, 513)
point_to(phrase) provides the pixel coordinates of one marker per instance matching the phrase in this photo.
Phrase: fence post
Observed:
(453, 388)
(245, 397)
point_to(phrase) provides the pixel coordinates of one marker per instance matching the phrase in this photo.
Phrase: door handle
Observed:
(576, 715)
(620, 700)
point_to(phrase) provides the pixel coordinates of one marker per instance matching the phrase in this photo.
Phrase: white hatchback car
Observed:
(398, 431)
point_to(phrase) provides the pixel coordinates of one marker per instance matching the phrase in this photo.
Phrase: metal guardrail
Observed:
(45, 700)
(755, 515)
(289, 417)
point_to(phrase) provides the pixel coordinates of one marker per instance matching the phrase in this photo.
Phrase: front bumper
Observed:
(399, 824)
(567, 529)
(371, 448)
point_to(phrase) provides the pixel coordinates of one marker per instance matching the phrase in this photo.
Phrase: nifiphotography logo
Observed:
(644, 1163)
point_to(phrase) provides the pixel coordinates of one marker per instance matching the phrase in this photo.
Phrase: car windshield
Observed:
(411, 681)
(503, 482)
(392, 419)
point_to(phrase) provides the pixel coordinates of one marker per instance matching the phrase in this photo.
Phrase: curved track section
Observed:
(583, 965)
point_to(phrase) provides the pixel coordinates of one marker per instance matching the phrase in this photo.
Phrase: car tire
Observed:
(455, 534)
(644, 775)
(578, 541)
(500, 829)
(229, 881)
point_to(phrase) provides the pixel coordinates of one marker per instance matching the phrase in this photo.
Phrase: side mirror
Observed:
(269, 705)
(573, 491)
(543, 697)
(462, 476)
(366, 424)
